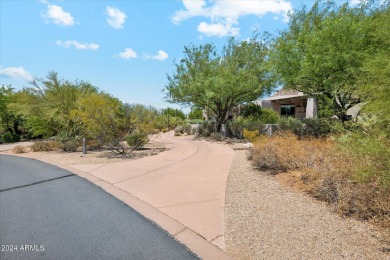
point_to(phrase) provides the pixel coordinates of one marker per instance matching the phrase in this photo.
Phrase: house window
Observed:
(287, 110)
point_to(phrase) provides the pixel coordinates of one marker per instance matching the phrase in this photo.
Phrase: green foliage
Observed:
(196, 113)
(315, 127)
(323, 51)
(220, 82)
(195, 121)
(138, 117)
(292, 124)
(173, 112)
(254, 112)
(9, 138)
(70, 146)
(372, 154)
(137, 140)
(48, 107)
(100, 115)
(207, 128)
(375, 74)
(237, 125)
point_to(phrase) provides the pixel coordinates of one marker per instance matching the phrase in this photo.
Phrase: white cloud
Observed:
(161, 56)
(78, 45)
(16, 73)
(128, 54)
(59, 16)
(218, 29)
(225, 14)
(116, 18)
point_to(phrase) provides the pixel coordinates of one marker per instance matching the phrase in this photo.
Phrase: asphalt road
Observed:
(49, 213)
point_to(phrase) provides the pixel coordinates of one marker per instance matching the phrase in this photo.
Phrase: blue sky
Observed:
(125, 48)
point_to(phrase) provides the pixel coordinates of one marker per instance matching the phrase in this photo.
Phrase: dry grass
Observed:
(44, 146)
(20, 149)
(328, 172)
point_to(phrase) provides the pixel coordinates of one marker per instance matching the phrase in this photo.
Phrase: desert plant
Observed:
(19, 149)
(137, 140)
(70, 146)
(236, 127)
(251, 136)
(178, 130)
(187, 129)
(292, 124)
(216, 136)
(207, 128)
(43, 146)
(9, 138)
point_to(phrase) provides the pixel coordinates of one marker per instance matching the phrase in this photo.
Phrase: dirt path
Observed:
(264, 220)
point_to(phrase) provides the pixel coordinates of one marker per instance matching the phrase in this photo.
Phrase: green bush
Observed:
(269, 116)
(316, 127)
(237, 125)
(207, 128)
(9, 138)
(70, 146)
(195, 121)
(254, 112)
(292, 124)
(137, 140)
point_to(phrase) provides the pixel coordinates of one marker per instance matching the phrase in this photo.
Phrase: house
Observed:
(291, 103)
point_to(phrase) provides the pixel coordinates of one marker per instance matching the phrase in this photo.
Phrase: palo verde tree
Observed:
(48, 106)
(322, 52)
(219, 82)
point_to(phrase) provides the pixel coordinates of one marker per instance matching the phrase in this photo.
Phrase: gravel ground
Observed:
(265, 220)
(92, 157)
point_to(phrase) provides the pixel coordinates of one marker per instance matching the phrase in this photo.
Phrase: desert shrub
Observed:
(256, 113)
(195, 121)
(315, 127)
(178, 130)
(164, 130)
(251, 136)
(279, 153)
(269, 116)
(44, 146)
(9, 138)
(19, 149)
(216, 136)
(187, 129)
(70, 146)
(207, 128)
(236, 127)
(137, 140)
(291, 124)
(351, 173)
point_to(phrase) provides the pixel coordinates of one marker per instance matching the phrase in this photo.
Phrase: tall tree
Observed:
(220, 82)
(322, 52)
(374, 86)
(47, 106)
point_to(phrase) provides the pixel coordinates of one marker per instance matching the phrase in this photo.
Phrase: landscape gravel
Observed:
(266, 220)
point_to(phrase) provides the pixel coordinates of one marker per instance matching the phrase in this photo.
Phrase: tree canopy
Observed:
(219, 82)
(323, 51)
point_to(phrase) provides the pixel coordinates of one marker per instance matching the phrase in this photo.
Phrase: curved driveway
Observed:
(49, 213)
(187, 182)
